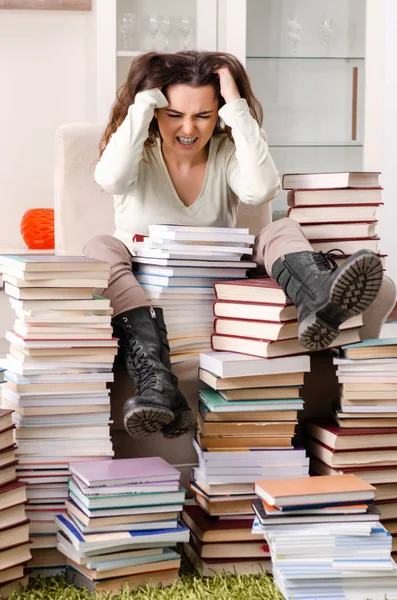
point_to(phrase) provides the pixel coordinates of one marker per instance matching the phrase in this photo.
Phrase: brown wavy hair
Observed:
(160, 70)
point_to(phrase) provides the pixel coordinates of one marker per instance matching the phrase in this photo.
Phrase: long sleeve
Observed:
(117, 169)
(251, 172)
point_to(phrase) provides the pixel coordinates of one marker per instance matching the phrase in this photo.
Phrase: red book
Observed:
(337, 438)
(11, 494)
(212, 529)
(5, 419)
(255, 311)
(268, 349)
(328, 214)
(264, 290)
(335, 196)
(262, 330)
(329, 180)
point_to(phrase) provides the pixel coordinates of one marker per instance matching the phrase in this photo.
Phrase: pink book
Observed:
(124, 470)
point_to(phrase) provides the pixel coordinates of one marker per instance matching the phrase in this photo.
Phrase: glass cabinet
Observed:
(307, 60)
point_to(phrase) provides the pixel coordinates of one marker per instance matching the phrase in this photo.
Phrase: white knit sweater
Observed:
(143, 191)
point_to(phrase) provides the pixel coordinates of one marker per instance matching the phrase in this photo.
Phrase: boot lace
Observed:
(143, 369)
(326, 261)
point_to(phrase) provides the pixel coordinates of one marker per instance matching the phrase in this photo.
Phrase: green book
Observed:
(216, 403)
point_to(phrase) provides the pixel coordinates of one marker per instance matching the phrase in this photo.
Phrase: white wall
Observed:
(47, 62)
(388, 93)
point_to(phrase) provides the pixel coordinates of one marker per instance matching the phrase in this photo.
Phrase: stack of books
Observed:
(255, 317)
(177, 266)
(14, 525)
(336, 210)
(59, 364)
(363, 437)
(325, 538)
(122, 524)
(246, 423)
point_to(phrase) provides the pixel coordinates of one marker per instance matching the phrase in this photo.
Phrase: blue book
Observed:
(373, 343)
(217, 403)
(378, 348)
(119, 539)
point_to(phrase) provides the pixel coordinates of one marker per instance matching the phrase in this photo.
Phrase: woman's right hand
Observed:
(153, 97)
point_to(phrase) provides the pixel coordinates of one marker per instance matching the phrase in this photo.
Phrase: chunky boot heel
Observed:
(326, 295)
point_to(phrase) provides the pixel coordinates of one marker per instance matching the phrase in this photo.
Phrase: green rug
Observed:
(191, 586)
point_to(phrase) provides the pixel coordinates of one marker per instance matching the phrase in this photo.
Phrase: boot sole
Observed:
(183, 423)
(144, 420)
(352, 292)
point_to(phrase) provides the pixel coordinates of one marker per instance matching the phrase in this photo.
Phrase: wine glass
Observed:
(127, 28)
(186, 27)
(326, 31)
(166, 27)
(294, 29)
(153, 26)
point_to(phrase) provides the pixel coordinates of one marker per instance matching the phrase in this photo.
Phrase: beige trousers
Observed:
(278, 238)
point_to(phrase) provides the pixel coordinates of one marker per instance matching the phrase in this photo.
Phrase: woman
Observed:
(184, 146)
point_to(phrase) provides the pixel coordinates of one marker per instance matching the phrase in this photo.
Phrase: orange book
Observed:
(325, 489)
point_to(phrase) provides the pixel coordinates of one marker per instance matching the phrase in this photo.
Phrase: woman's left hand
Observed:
(229, 89)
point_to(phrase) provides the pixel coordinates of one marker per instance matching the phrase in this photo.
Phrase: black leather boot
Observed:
(140, 342)
(184, 417)
(326, 295)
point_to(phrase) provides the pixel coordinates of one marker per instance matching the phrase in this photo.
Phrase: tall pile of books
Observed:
(325, 539)
(255, 317)
(363, 437)
(59, 363)
(336, 210)
(14, 525)
(177, 266)
(122, 524)
(246, 423)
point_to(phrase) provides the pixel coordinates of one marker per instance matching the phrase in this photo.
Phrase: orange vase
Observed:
(37, 228)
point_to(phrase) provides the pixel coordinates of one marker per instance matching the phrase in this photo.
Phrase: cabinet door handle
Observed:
(354, 102)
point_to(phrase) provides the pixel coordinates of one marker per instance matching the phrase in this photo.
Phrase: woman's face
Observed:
(187, 124)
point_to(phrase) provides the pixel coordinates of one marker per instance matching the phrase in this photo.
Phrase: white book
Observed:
(61, 400)
(381, 364)
(88, 419)
(191, 303)
(261, 457)
(202, 237)
(194, 263)
(81, 282)
(183, 318)
(92, 304)
(188, 248)
(41, 319)
(230, 364)
(228, 273)
(77, 432)
(205, 255)
(188, 229)
(54, 274)
(13, 338)
(91, 377)
(178, 293)
(176, 281)
(45, 293)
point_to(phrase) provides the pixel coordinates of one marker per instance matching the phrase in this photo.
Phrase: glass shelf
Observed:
(315, 145)
(346, 58)
(131, 53)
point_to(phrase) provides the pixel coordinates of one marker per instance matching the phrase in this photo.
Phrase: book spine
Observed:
(307, 206)
(291, 198)
(215, 291)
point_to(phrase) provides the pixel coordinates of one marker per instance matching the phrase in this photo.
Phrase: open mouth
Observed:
(186, 141)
